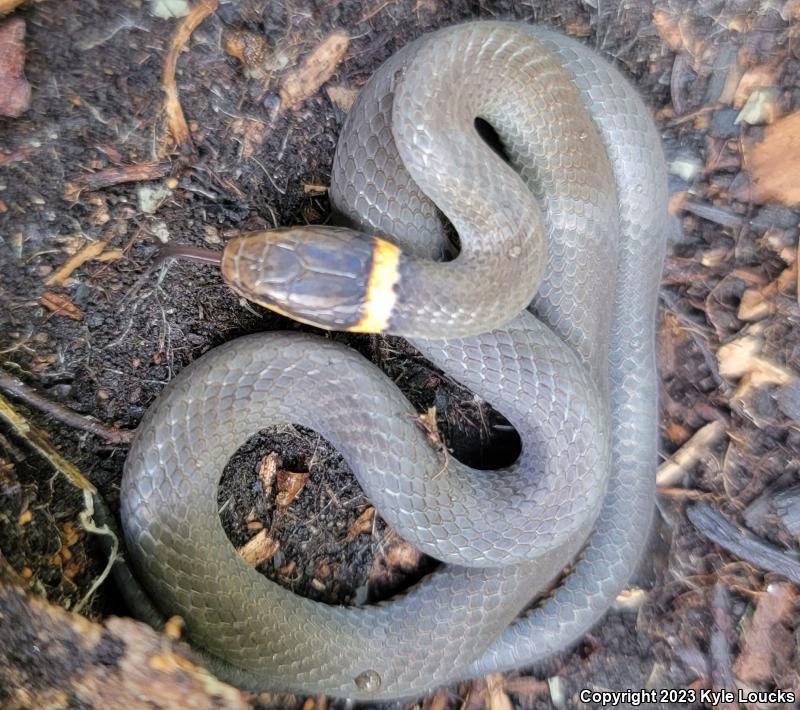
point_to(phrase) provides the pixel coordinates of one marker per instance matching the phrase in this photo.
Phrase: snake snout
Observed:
(328, 277)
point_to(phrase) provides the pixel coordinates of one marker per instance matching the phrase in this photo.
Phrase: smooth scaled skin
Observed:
(574, 225)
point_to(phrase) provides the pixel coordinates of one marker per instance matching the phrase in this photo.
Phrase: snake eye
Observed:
(328, 277)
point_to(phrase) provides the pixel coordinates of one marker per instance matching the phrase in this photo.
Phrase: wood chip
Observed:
(15, 92)
(758, 303)
(672, 472)
(677, 32)
(767, 643)
(742, 359)
(496, 694)
(89, 252)
(7, 6)
(266, 472)
(259, 549)
(289, 486)
(761, 108)
(342, 96)
(316, 69)
(121, 662)
(758, 77)
(314, 189)
(772, 163)
(754, 306)
(60, 305)
(363, 524)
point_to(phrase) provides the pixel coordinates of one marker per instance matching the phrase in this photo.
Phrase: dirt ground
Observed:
(723, 80)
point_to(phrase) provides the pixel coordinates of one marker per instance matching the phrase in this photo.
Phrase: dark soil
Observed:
(95, 70)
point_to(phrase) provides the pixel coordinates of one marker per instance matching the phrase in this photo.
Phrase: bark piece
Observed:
(53, 658)
(15, 91)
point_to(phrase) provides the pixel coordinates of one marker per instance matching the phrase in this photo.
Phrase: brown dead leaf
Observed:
(772, 163)
(767, 643)
(258, 549)
(266, 472)
(60, 305)
(363, 524)
(289, 486)
(316, 69)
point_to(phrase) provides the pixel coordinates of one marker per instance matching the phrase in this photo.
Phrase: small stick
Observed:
(89, 252)
(119, 175)
(13, 387)
(38, 441)
(176, 121)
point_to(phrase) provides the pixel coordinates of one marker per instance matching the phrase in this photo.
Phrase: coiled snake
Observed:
(570, 219)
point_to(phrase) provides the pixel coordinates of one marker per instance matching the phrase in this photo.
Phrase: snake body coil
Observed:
(573, 218)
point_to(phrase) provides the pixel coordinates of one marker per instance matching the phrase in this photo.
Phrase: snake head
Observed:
(332, 278)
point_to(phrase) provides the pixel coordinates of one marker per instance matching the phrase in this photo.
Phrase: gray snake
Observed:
(570, 219)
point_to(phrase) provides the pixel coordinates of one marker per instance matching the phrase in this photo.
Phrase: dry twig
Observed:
(176, 121)
(116, 176)
(12, 386)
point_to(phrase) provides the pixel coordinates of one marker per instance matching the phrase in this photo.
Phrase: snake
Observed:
(502, 204)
